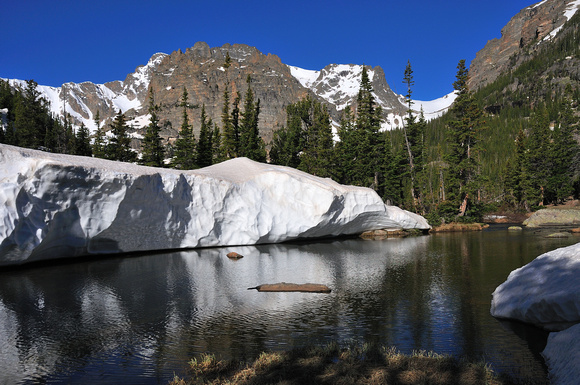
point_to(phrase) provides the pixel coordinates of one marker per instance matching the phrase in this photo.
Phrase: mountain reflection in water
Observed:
(140, 319)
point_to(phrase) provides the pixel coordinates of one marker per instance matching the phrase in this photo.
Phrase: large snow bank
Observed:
(59, 206)
(562, 355)
(545, 292)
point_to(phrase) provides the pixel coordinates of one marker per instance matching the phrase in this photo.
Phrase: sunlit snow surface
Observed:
(546, 293)
(59, 206)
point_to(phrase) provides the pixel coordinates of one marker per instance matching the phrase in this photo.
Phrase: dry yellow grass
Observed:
(366, 364)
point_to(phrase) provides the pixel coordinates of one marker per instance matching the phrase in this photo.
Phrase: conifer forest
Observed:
(497, 149)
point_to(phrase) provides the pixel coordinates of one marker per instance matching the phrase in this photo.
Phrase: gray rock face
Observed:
(554, 217)
(200, 70)
(523, 32)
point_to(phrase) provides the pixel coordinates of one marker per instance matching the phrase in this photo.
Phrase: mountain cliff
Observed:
(521, 37)
(201, 71)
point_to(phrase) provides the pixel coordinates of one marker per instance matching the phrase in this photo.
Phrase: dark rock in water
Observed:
(234, 255)
(292, 287)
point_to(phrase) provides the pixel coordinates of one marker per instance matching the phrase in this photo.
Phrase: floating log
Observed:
(292, 287)
(234, 255)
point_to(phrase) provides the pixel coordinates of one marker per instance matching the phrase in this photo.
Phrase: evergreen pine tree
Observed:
(217, 145)
(31, 117)
(368, 145)
(99, 144)
(6, 119)
(204, 145)
(119, 147)
(83, 142)
(70, 138)
(235, 121)
(289, 142)
(563, 148)
(228, 60)
(463, 141)
(346, 148)
(184, 154)
(317, 156)
(152, 150)
(391, 180)
(229, 134)
(537, 159)
(251, 144)
(414, 132)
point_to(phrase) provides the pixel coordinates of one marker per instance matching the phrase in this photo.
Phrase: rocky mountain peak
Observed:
(202, 72)
(525, 31)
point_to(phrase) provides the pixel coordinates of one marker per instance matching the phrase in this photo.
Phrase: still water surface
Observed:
(140, 319)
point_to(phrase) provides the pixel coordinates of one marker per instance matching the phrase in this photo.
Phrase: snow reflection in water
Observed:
(140, 319)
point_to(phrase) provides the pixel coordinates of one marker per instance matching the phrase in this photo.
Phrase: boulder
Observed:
(554, 217)
(545, 292)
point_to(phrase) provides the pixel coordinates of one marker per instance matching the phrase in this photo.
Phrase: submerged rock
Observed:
(61, 206)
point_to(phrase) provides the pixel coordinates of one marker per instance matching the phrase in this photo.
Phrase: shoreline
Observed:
(331, 364)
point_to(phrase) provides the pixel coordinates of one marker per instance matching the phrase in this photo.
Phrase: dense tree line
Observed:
(27, 122)
(495, 148)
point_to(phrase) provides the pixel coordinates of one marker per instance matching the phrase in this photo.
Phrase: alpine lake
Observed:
(141, 318)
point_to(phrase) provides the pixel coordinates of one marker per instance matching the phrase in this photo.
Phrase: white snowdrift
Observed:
(562, 355)
(59, 206)
(545, 292)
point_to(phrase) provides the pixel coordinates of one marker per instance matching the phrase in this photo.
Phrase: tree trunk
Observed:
(463, 207)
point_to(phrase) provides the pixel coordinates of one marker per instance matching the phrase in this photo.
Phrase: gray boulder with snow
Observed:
(59, 206)
(546, 293)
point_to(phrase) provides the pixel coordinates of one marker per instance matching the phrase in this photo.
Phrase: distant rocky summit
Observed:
(203, 72)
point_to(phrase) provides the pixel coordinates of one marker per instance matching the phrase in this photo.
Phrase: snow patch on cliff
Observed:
(339, 85)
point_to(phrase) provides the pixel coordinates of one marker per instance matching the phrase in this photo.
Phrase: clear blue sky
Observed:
(60, 41)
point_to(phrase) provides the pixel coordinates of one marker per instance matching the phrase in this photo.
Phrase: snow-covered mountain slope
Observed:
(338, 85)
(81, 101)
(63, 206)
(200, 69)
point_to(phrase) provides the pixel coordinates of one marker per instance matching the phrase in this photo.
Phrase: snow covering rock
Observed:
(545, 292)
(562, 355)
(60, 206)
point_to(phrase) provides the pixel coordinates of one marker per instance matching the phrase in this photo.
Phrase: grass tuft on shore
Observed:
(331, 364)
